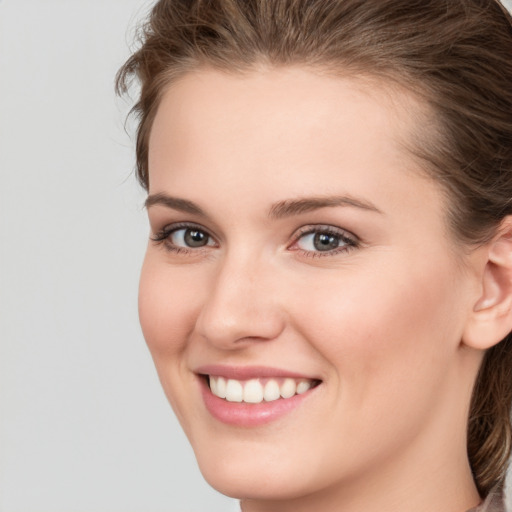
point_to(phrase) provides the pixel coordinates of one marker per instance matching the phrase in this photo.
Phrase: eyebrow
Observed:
(297, 206)
(279, 210)
(176, 203)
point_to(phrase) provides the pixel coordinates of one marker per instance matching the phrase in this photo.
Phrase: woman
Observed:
(327, 291)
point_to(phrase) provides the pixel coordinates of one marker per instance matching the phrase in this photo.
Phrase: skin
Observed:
(381, 323)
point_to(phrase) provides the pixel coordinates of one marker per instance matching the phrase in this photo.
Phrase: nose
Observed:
(241, 305)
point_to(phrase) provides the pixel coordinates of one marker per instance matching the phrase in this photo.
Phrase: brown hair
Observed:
(456, 55)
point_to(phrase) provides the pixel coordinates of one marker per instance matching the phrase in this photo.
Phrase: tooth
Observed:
(303, 386)
(288, 388)
(253, 392)
(221, 387)
(271, 391)
(234, 391)
(213, 385)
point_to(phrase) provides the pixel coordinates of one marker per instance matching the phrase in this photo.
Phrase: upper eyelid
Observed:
(319, 228)
(308, 228)
(176, 226)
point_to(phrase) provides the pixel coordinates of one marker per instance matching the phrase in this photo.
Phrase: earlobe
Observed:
(491, 318)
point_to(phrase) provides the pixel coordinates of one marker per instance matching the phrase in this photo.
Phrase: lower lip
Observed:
(243, 414)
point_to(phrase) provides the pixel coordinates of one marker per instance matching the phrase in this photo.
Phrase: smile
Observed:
(253, 396)
(255, 391)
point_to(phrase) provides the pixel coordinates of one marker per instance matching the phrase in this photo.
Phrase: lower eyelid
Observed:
(324, 254)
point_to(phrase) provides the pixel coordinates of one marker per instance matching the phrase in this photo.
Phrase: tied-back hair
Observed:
(454, 55)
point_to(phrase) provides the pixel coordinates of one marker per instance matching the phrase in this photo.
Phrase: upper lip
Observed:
(248, 372)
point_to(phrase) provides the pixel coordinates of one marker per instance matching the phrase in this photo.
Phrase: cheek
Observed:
(390, 340)
(167, 313)
(166, 307)
(386, 329)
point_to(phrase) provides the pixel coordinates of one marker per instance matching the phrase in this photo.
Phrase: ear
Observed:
(491, 318)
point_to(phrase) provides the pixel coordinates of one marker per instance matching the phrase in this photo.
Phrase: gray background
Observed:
(84, 425)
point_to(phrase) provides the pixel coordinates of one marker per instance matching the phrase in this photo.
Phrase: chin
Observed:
(246, 483)
(247, 474)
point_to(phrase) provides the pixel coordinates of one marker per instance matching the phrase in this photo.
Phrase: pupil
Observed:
(325, 242)
(195, 238)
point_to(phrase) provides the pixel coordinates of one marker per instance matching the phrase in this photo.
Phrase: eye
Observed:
(189, 237)
(183, 238)
(324, 240)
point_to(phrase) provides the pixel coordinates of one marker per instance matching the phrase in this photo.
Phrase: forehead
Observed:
(283, 132)
(283, 94)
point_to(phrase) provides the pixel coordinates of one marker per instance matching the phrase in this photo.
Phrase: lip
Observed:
(242, 414)
(249, 372)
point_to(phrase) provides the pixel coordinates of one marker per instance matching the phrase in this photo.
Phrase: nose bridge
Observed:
(240, 303)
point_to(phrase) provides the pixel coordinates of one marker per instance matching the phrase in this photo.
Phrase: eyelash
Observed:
(351, 242)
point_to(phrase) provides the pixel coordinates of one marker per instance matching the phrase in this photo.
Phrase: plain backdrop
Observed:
(84, 425)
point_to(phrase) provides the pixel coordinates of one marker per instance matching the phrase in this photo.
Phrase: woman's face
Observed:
(297, 250)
